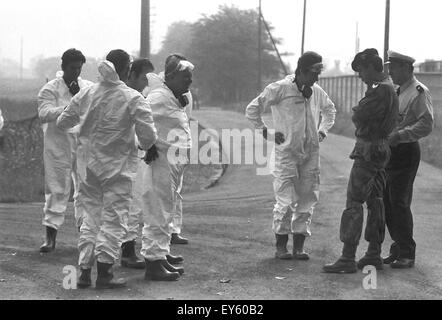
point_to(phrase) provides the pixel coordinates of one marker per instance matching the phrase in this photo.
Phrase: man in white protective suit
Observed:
(110, 114)
(60, 146)
(138, 81)
(156, 81)
(177, 221)
(297, 103)
(163, 179)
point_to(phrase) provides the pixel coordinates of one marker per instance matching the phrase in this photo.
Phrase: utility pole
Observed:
(145, 29)
(358, 40)
(303, 27)
(274, 45)
(21, 58)
(259, 86)
(387, 33)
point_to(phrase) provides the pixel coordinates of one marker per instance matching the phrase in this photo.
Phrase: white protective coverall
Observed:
(59, 153)
(296, 161)
(162, 181)
(110, 114)
(136, 215)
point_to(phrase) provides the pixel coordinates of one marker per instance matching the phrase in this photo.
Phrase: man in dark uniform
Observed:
(415, 122)
(375, 118)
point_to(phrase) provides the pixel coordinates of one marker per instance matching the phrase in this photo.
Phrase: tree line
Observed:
(223, 47)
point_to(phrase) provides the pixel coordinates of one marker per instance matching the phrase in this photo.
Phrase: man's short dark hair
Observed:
(139, 65)
(174, 56)
(72, 55)
(120, 59)
(366, 58)
(172, 62)
(307, 60)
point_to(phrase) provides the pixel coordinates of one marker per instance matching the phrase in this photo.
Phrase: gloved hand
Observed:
(322, 136)
(151, 155)
(74, 88)
(279, 138)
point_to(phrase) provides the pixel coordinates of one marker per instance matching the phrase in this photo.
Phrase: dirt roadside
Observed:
(230, 231)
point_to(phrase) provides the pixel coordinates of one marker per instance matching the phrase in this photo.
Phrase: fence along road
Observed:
(346, 91)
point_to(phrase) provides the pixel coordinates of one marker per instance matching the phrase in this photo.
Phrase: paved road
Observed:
(230, 231)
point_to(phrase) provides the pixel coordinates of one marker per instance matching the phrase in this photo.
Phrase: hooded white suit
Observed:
(59, 152)
(110, 114)
(296, 167)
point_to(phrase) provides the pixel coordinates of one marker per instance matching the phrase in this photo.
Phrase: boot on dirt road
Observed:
(105, 278)
(49, 245)
(85, 280)
(371, 261)
(171, 268)
(177, 239)
(155, 271)
(402, 263)
(372, 257)
(129, 258)
(174, 259)
(281, 247)
(342, 266)
(298, 248)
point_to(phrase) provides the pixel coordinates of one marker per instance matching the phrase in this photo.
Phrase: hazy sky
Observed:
(48, 27)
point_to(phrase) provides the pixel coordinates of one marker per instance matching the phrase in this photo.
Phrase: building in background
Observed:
(430, 66)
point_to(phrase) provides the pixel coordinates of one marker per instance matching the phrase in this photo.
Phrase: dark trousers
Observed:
(366, 185)
(401, 173)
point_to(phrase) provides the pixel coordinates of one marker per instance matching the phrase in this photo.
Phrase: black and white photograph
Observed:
(218, 155)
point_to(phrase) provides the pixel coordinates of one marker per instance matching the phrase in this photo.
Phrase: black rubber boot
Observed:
(174, 259)
(85, 280)
(403, 263)
(394, 254)
(298, 248)
(105, 278)
(155, 271)
(376, 262)
(372, 257)
(49, 245)
(281, 247)
(346, 263)
(172, 268)
(129, 258)
(177, 239)
(341, 266)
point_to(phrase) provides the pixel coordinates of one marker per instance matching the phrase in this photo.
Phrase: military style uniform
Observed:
(375, 117)
(415, 122)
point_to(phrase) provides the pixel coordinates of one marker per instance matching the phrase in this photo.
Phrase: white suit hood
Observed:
(108, 73)
(155, 81)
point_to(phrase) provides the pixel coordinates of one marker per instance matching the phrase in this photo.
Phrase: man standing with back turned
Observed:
(138, 81)
(110, 114)
(415, 122)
